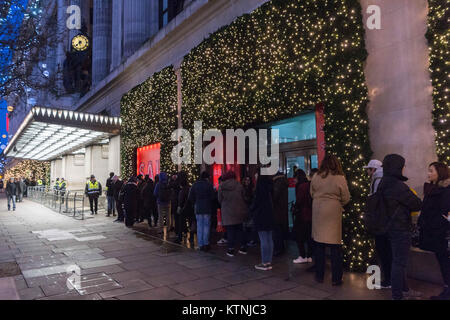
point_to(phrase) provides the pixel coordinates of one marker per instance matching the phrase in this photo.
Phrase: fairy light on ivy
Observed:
(30, 169)
(283, 59)
(149, 116)
(438, 36)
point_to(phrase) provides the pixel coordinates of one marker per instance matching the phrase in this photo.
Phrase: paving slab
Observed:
(163, 293)
(99, 263)
(9, 289)
(129, 287)
(193, 287)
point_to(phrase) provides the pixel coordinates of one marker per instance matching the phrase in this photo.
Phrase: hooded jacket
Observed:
(163, 179)
(400, 200)
(433, 226)
(231, 197)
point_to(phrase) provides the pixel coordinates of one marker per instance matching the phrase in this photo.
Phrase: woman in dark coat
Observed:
(117, 186)
(263, 216)
(130, 201)
(433, 222)
(281, 212)
(149, 200)
(303, 218)
(181, 215)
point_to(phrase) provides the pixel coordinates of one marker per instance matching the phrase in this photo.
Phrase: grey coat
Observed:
(233, 207)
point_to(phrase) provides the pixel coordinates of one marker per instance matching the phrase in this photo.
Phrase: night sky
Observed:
(11, 23)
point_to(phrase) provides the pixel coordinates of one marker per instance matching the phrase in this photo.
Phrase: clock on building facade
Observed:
(80, 42)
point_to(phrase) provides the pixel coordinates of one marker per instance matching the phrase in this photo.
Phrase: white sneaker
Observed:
(222, 242)
(300, 260)
(309, 260)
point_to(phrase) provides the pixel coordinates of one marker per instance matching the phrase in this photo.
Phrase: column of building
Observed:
(140, 23)
(101, 46)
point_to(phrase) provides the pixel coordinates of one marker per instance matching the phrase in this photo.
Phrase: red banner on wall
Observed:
(148, 159)
(320, 123)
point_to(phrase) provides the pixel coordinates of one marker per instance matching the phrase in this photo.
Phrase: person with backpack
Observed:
(433, 221)
(303, 218)
(202, 195)
(329, 191)
(398, 201)
(162, 193)
(374, 170)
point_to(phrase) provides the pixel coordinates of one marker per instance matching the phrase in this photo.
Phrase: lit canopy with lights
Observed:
(47, 134)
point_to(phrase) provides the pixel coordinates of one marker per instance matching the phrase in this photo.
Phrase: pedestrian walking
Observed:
(303, 218)
(234, 210)
(93, 191)
(149, 200)
(399, 201)
(330, 193)
(202, 196)
(174, 190)
(434, 223)
(11, 191)
(262, 212)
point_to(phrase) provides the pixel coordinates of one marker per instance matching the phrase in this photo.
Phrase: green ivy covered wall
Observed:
(149, 115)
(438, 36)
(280, 60)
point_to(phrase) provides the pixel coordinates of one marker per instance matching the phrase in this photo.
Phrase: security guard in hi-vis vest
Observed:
(93, 190)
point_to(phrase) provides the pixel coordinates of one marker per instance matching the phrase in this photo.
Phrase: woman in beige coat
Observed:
(330, 193)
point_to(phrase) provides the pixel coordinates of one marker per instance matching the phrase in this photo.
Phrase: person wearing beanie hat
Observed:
(400, 201)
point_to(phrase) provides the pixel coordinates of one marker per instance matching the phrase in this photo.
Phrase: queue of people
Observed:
(248, 213)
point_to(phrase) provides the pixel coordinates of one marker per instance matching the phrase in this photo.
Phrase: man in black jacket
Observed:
(110, 195)
(117, 187)
(400, 202)
(11, 190)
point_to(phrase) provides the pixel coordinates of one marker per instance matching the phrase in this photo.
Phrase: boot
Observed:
(109, 213)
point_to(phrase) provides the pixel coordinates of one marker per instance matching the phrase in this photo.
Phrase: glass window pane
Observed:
(165, 4)
(299, 128)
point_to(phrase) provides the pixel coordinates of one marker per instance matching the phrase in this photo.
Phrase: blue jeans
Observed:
(111, 204)
(400, 244)
(266, 240)
(203, 227)
(13, 198)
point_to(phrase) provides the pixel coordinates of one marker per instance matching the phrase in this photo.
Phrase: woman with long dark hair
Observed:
(330, 193)
(263, 215)
(433, 220)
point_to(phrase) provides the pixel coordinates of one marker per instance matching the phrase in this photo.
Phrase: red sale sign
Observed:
(320, 123)
(148, 159)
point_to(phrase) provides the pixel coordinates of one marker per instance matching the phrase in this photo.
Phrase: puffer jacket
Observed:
(433, 226)
(400, 200)
(232, 203)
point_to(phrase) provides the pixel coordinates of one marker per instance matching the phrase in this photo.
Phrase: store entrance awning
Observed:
(47, 134)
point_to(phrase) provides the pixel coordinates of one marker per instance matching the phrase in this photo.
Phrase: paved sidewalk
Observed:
(119, 263)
